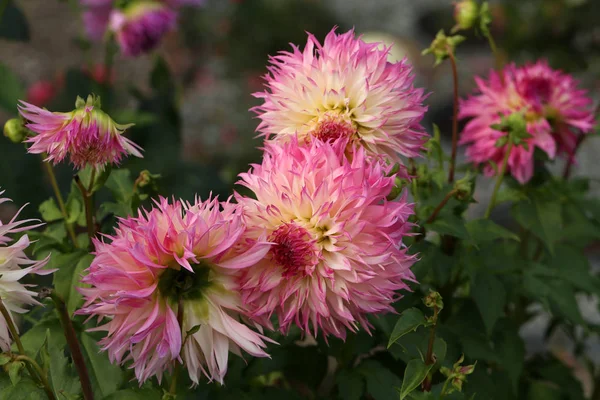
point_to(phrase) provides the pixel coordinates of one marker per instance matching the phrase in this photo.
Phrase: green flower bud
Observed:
(442, 46)
(433, 299)
(466, 13)
(14, 130)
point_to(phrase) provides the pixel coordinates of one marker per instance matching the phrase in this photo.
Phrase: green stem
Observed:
(173, 386)
(499, 180)
(454, 117)
(109, 56)
(429, 357)
(15, 335)
(443, 392)
(61, 202)
(89, 209)
(42, 376)
(73, 343)
(497, 57)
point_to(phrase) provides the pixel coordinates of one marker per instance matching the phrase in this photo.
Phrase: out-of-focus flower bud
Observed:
(442, 46)
(14, 130)
(466, 13)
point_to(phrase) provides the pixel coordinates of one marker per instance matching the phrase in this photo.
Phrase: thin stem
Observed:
(571, 159)
(173, 386)
(109, 55)
(497, 57)
(87, 201)
(42, 376)
(73, 346)
(454, 117)
(15, 334)
(92, 179)
(61, 202)
(440, 206)
(443, 392)
(429, 360)
(499, 180)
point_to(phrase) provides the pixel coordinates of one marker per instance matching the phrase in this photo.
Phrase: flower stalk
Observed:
(61, 202)
(41, 375)
(499, 179)
(452, 59)
(89, 206)
(73, 346)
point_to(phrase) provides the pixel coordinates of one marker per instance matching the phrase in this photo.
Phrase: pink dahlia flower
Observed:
(96, 15)
(337, 252)
(140, 27)
(343, 88)
(555, 109)
(87, 135)
(167, 272)
(14, 265)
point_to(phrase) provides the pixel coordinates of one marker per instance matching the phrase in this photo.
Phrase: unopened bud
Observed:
(433, 299)
(14, 130)
(463, 188)
(466, 13)
(146, 178)
(442, 46)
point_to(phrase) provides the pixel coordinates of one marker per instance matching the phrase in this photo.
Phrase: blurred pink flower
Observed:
(140, 27)
(343, 88)
(555, 109)
(14, 294)
(96, 15)
(87, 135)
(167, 272)
(41, 92)
(337, 252)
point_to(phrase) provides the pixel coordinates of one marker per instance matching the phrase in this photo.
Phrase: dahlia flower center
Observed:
(294, 250)
(182, 284)
(537, 91)
(332, 126)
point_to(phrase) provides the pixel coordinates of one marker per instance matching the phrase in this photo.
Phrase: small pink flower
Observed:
(343, 88)
(14, 265)
(87, 135)
(140, 27)
(167, 272)
(555, 109)
(96, 15)
(41, 93)
(337, 252)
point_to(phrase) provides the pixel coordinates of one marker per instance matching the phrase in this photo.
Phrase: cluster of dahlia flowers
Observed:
(556, 111)
(318, 245)
(14, 265)
(138, 26)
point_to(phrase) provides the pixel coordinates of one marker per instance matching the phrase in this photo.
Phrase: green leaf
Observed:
(484, 230)
(12, 89)
(415, 373)
(62, 375)
(26, 389)
(449, 225)
(4, 358)
(408, 321)
(571, 265)
(510, 350)
(351, 385)
(13, 25)
(105, 376)
(542, 218)
(50, 211)
(381, 382)
(34, 338)
(100, 177)
(121, 185)
(490, 296)
(539, 390)
(14, 371)
(66, 279)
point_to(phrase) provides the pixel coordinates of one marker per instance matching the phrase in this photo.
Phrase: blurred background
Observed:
(190, 99)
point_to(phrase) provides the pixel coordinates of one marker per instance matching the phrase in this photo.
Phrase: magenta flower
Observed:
(14, 265)
(555, 109)
(96, 15)
(140, 27)
(343, 88)
(337, 252)
(87, 135)
(167, 272)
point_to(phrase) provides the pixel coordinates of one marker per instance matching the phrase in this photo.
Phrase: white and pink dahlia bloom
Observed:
(555, 109)
(87, 135)
(337, 252)
(14, 265)
(167, 272)
(140, 27)
(343, 88)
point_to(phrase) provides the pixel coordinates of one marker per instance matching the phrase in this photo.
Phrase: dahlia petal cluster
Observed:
(165, 286)
(343, 88)
(14, 265)
(555, 109)
(337, 252)
(138, 27)
(87, 135)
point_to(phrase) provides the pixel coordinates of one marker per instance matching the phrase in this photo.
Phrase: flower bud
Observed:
(442, 46)
(466, 13)
(146, 178)
(14, 130)
(433, 299)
